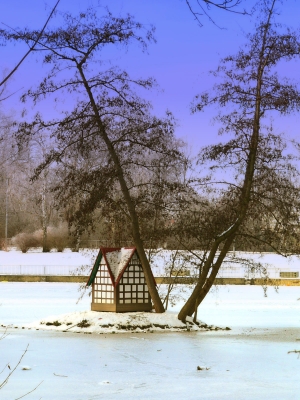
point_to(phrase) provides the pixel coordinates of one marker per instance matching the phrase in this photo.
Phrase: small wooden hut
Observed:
(118, 281)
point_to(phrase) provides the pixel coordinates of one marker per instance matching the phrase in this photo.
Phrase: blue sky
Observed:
(180, 60)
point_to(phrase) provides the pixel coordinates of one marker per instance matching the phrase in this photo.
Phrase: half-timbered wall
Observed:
(103, 289)
(132, 286)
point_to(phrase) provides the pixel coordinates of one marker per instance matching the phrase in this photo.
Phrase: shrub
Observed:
(57, 237)
(24, 241)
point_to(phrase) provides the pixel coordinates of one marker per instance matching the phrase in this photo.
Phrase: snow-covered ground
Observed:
(34, 262)
(37, 263)
(252, 361)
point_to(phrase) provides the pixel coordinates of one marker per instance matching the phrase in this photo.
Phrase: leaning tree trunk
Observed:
(158, 305)
(216, 256)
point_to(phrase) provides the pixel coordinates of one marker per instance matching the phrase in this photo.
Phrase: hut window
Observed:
(103, 293)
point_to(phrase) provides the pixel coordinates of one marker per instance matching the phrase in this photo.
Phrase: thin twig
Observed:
(4, 368)
(2, 384)
(31, 48)
(5, 333)
(30, 391)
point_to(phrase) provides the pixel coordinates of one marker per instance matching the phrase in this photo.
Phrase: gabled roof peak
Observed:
(117, 260)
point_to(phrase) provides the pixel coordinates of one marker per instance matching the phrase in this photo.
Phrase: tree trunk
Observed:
(158, 305)
(44, 217)
(227, 237)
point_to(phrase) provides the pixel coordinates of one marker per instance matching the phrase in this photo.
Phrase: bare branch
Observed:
(204, 6)
(26, 394)
(5, 79)
(3, 383)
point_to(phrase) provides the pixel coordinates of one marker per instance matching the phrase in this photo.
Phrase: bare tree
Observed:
(109, 113)
(256, 178)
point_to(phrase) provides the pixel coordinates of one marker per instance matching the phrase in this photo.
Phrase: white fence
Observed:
(66, 270)
(63, 270)
(268, 272)
(244, 272)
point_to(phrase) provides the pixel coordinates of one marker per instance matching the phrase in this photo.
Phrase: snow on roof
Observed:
(118, 259)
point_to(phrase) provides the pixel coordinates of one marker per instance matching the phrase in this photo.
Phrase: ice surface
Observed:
(251, 362)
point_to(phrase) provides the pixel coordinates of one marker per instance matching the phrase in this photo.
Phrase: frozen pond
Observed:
(250, 362)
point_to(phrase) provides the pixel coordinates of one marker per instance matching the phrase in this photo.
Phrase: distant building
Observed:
(118, 281)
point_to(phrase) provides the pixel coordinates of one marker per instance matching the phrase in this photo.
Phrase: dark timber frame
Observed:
(118, 282)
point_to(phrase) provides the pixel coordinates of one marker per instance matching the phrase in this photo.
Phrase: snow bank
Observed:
(104, 322)
(36, 257)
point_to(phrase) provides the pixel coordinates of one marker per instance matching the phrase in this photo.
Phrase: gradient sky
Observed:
(180, 60)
